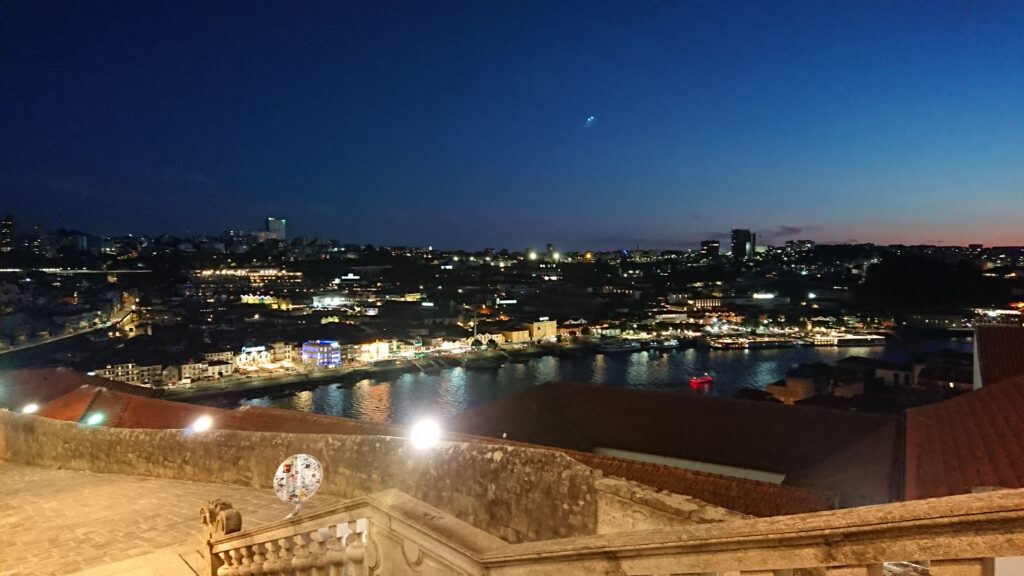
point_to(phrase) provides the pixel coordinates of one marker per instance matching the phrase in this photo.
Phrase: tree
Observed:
(492, 345)
(476, 344)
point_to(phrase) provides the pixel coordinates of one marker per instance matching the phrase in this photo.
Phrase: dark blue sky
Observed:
(465, 124)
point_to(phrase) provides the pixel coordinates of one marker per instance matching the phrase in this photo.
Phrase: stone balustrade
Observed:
(393, 534)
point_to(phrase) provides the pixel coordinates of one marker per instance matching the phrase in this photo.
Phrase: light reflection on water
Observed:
(441, 394)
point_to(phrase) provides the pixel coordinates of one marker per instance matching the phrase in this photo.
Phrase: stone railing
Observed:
(390, 533)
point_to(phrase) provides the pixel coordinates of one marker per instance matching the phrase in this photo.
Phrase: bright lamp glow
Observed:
(30, 409)
(533, 255)
(425, 434)
(94, 418)
(202, 424)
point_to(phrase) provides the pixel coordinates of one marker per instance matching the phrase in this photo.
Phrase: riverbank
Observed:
(490, 361)
(241, 387)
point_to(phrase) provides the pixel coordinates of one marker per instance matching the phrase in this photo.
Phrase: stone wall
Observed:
(624, 506)
(517, 494)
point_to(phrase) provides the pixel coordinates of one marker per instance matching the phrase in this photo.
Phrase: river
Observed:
(408, 396)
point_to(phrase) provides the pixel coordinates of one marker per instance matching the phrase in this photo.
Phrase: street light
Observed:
(202, 424)
(425, 434)
(30, 409)
(94, 418)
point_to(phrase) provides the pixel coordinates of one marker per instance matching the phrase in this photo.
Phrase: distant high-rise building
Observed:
(36, 242)
(799, 245)
(7, 233)
(275, 228)
(711, 247)
(743, 243)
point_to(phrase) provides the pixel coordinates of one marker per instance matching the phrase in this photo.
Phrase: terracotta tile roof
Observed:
(747, 434)
(746, 496)
(41, 385)
(869, 471)
(1000, 351)
(129, 411)
(973, 440)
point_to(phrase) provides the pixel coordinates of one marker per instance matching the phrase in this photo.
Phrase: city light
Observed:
(533, 255)
(94, 419)
(202, 424)
(30, 409)
(425, 434)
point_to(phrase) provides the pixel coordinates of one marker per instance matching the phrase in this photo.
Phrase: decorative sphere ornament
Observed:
(297, 479)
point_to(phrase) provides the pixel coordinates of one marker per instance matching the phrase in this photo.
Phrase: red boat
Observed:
(699, 381)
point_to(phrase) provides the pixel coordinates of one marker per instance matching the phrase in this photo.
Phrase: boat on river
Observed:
(702, 381)
(616, 346)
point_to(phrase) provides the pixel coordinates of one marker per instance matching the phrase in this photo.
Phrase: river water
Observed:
(409, 396)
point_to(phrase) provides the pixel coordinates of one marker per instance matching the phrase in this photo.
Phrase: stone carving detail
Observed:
(220, 518)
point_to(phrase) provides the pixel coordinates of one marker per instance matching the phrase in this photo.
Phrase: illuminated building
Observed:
(322, 353)
(252, 357)
(543, 330)
(244, 281)
(331, 300)
(799, 245)
(373, 351)
(275, 228)
(7, 233)
(743, 243)
(710, 247)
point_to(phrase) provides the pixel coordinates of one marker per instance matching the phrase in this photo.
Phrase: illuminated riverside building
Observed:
(238, 281)
(322, 353)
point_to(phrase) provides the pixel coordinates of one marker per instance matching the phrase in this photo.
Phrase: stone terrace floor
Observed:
(58, 522)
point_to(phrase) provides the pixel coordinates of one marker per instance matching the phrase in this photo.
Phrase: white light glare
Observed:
(30, 409)
(202, 424)
(425, 434)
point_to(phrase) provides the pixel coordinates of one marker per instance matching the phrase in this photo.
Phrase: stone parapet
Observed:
(396, 535)
(516, 493)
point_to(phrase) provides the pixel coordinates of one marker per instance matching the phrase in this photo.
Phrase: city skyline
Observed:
(593, 126)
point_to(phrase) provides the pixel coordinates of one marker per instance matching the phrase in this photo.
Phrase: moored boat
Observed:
(614, 346)
(701, 381)
(729, 343)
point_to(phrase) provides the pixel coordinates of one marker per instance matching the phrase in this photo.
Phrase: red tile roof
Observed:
(1000, 351)
(739, 494)
(973, 440)
(742, 433)
(41, 385)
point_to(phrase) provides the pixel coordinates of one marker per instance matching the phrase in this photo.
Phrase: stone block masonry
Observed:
(518, 494)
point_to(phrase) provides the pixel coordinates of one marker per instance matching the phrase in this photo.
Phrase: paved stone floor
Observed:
(57, 522)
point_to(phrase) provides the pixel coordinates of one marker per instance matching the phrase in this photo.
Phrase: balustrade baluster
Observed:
(245, 568)
(301, 561)
(317, 553)
(355, 549)
(258, 559)
(225, 564)
(284, 557)
(270, 565)
(236, 562)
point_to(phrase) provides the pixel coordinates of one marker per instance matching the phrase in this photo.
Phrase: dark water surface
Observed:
(408, 396)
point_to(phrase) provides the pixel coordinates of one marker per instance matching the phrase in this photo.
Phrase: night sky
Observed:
(508, 124)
